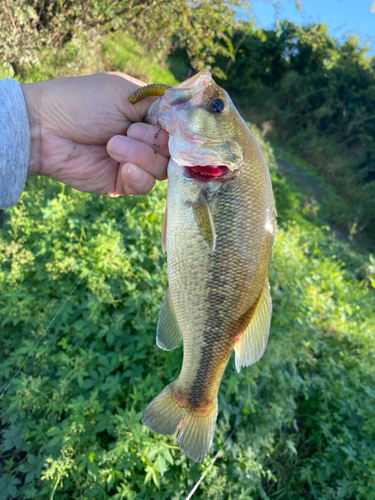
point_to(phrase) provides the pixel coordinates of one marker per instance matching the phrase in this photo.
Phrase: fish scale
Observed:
(218, 233)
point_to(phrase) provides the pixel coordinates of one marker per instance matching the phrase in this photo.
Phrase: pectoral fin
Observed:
(168, 334)
(164, 231)
(204, 219)
(252, 342)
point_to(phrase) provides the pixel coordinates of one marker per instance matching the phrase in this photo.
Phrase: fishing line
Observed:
(195, 487)
(66, 300)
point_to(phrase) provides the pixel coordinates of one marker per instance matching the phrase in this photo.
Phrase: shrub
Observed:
(71, 419)
(31, 28)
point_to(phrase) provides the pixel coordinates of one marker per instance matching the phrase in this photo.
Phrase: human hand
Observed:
(78, 127)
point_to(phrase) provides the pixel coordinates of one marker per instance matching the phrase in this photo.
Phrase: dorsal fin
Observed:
(252, 342)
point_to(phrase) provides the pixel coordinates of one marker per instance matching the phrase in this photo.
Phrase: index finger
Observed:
(155, 137)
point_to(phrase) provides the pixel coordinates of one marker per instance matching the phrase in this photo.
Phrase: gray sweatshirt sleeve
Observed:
(14, 142)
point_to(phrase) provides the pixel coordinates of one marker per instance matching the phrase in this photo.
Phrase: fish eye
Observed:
(217, 105)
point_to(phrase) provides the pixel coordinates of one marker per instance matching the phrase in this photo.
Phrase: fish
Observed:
(218, 233)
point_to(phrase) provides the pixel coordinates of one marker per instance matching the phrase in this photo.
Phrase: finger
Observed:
(125, 86)
(132, 180)
(126, 150)
(155, 137)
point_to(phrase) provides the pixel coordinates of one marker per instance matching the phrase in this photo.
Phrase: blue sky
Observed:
(340, 15)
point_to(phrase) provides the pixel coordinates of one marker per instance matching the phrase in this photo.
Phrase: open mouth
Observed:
(206, 173)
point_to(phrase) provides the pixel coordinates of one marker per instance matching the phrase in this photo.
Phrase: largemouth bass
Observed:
(218, 233)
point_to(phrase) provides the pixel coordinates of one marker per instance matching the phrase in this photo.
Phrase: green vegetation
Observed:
(315, 95)
(34, 29)
(71, 419)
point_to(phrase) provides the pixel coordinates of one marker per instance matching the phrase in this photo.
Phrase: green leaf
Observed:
(110, 338)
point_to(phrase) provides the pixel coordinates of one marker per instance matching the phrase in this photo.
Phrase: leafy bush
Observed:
(32, 29)
(71, 419)
(320, 95)
(316, 96)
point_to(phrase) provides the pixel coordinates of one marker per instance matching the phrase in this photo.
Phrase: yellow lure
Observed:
(154, 89)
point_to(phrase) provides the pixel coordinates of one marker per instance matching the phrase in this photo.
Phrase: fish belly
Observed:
(212, 289)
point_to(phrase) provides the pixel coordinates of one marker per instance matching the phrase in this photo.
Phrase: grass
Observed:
(71, 419)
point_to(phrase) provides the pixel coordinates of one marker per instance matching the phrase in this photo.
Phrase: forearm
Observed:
(32, 93)
(14, 142)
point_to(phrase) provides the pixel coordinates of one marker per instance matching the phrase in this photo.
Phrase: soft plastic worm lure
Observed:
(155, 89)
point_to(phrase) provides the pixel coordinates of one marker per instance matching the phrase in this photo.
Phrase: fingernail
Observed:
(121, 147)
(139, 131)
(136, 175)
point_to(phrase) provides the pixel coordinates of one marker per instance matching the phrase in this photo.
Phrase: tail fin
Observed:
(195, 432)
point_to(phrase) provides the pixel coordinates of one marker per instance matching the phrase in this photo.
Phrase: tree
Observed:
(29, 27)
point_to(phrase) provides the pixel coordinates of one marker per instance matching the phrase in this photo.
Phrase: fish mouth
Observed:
(206, 173)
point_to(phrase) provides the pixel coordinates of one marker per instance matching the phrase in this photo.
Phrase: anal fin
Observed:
(168, 334)
(253, 341)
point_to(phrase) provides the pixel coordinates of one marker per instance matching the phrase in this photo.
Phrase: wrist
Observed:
(32, 95)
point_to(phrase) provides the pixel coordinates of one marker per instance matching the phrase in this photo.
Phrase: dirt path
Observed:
(312, 189)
